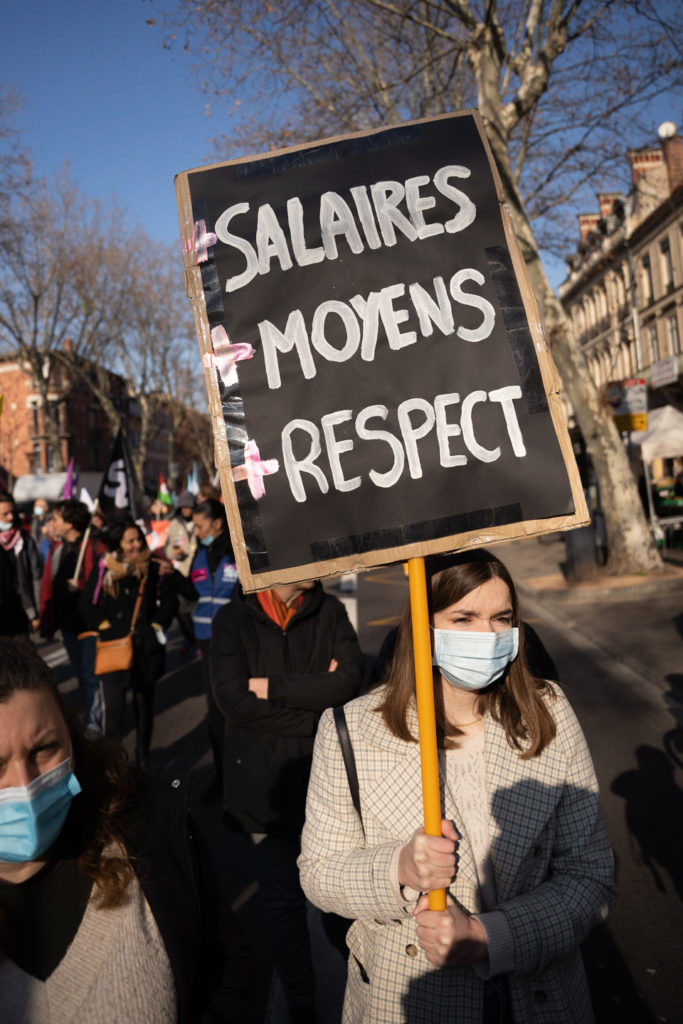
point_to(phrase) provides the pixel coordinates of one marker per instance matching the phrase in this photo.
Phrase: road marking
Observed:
(58, 657)
(351, 605)
(386, 580)
(391, 621)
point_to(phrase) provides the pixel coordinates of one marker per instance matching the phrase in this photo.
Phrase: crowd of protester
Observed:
(110, 904)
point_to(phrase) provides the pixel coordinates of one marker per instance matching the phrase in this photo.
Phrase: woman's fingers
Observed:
(428, 862)
(449, 938)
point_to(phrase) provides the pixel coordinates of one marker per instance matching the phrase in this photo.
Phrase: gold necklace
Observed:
(462, 725)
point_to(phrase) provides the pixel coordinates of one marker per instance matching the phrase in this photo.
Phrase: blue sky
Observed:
(101, 93)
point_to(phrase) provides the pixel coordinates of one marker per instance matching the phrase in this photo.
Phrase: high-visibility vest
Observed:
(214, 590)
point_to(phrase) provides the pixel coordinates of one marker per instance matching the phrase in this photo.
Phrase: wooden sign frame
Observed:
(197, 240)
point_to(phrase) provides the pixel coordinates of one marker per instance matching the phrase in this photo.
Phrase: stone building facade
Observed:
(624, 289)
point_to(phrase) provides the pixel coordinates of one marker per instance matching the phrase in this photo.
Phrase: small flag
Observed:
(193, 480)
(116, 496)
(84, 496)
(71, 482)
(157, 536)
(164, 495)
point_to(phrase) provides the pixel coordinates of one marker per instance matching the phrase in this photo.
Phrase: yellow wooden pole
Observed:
(424, 692)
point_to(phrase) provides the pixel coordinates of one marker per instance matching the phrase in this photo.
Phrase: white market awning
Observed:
(663, 438)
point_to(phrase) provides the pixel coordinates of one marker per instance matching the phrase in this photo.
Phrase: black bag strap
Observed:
(349, 759)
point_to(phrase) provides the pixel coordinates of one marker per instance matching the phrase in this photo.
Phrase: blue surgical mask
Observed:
(472, 661)
(4, 527)
(208, 540)
(31, 817)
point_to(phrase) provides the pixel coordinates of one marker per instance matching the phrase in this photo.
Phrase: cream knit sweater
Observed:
(115, 971)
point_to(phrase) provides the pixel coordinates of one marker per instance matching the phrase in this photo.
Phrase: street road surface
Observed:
(622, 667)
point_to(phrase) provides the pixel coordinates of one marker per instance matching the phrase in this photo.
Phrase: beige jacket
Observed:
(552, 862)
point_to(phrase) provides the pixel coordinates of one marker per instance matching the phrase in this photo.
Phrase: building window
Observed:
(673, 336)
(53, 413)
(666, 265)
(35, 418)
(648, 289)
(624, 362)
(50, 458)
(37, 459)
(654, 346)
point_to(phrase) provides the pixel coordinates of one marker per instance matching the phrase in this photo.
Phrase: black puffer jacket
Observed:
(268, 743)
(213, 965)
(13, 621)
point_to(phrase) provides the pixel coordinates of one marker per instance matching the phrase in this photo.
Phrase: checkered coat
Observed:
(552, 861)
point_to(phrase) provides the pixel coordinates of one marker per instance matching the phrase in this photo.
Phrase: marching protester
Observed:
(207, 492)
(212, 580)
(47, 539)
(523, 854)
(129, 593)
(110, 907)
(22, 552)
(59, 593)
(180, 549)
(13, 621)
(99, 526)
(278, 659)
(41, 510)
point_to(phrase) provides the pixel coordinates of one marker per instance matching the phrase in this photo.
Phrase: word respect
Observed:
(303, 440)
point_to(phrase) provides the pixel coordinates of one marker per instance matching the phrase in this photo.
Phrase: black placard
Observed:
(411, 320)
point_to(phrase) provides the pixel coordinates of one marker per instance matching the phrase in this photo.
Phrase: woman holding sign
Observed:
(523, 853)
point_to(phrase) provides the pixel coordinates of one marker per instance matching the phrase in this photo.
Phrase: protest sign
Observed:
(378, 382)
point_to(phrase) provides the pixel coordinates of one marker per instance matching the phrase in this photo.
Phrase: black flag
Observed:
(116, 496)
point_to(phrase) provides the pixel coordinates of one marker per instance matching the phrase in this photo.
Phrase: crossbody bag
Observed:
(117, 655)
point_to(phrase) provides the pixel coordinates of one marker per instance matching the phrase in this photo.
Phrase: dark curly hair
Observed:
(109, 785)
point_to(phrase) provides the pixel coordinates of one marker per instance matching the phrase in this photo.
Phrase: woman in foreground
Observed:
(523, 852)
(110, 910)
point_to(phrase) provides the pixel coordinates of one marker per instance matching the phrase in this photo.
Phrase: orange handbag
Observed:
(117, 655)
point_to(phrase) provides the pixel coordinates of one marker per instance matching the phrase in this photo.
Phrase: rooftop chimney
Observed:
(644, 161)
(588, 222)
(672, 149)
(607, 201)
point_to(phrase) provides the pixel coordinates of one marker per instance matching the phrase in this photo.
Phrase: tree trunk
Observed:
(631, 547)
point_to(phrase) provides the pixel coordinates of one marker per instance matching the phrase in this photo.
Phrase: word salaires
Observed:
(377, 218)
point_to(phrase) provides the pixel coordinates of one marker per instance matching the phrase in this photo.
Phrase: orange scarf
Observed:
(276, 609)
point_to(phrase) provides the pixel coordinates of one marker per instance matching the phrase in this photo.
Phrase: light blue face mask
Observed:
(208, 540)
(472, 661)
(31, 817)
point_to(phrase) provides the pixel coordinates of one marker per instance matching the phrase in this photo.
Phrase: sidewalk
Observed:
(538, 568)
(636, 621)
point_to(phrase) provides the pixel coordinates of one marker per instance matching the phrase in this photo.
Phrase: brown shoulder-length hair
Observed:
(109, 786)
(518, 701)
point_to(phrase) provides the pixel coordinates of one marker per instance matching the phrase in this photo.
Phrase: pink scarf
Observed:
(11, 539)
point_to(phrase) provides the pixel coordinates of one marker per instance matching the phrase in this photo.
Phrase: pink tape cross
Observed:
(200, 241)
(254, 469)
(225, 354)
